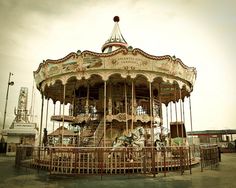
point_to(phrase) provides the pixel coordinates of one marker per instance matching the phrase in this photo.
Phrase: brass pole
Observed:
(181, 116)
(46, 126)
(63, 113)
(59, 112)
(54, 109)
(151, 114)
(191, 121)
(176, 115)
(104, 118)
(132, 121)
(167, 120)
(161, 115)
(126, 111)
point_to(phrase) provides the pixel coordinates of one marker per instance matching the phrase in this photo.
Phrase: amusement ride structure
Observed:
(115, 100)
(113, 92)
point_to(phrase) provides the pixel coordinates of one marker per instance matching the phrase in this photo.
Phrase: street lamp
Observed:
(10, 83)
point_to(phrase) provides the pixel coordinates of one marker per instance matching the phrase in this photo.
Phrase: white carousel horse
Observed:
(135, 140)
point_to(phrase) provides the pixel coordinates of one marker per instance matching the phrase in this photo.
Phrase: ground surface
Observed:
(222, 176)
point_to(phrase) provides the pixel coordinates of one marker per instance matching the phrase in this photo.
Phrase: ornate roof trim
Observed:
(120, 50)
(171, 58)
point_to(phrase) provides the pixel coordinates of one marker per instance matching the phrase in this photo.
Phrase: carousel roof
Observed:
(116, 39)
(59, 130)
(166, 73)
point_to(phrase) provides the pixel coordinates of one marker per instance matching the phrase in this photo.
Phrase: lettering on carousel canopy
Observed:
(130, 61)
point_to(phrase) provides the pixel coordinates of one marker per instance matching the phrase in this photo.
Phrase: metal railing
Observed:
(107, 160)
(210, 156)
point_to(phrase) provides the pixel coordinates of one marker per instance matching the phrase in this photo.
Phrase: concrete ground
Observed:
(222, 176)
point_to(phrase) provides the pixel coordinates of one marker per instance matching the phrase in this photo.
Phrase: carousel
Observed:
(115, 102)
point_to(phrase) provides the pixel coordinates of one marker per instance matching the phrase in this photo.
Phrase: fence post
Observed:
(153, 163)
(164, 150)
(190, 161)
(101, 160)
(50, 167)
(201, 156)
(181, 159)
(145, 161)
(219, 154)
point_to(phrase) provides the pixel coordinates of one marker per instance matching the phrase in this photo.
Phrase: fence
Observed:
(100, 160)
(210, 156)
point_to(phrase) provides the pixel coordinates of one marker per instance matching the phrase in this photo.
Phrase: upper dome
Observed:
(116, 39)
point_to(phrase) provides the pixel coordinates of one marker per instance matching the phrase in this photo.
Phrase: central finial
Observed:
(116, 19)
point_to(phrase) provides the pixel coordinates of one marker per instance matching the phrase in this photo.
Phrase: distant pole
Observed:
(10, 83)
(32, 105)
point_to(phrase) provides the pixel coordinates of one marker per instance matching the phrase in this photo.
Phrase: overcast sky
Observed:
(199, 32)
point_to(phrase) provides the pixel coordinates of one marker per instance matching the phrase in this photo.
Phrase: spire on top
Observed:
(116, 39)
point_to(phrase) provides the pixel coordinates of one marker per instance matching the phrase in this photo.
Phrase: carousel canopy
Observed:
(166, 73)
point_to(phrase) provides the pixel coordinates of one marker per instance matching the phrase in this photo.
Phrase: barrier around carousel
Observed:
(125, 160)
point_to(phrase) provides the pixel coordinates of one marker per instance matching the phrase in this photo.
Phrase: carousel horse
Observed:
(135, 140)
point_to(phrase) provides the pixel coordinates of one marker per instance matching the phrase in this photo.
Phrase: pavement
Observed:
(223, 176)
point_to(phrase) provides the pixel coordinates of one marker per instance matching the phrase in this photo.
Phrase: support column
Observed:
(167, 121)
(171, 119)
(104, 118)
(183, 112)
(73, 104)
(63, 113)
(191, 121)
(126, 111)
(135, 102)
(54, 109)
(41, 121)
(161, 115)
(152, 130)
(46, 126)
(132, 103)
(151, 113)
(59, 112)
(181, 116)
(176, 115)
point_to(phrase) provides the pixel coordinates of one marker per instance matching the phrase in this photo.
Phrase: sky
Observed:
(199, 32)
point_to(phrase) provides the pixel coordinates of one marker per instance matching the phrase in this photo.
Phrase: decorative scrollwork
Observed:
(60, 118)
(143, 118)
(82, 117)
